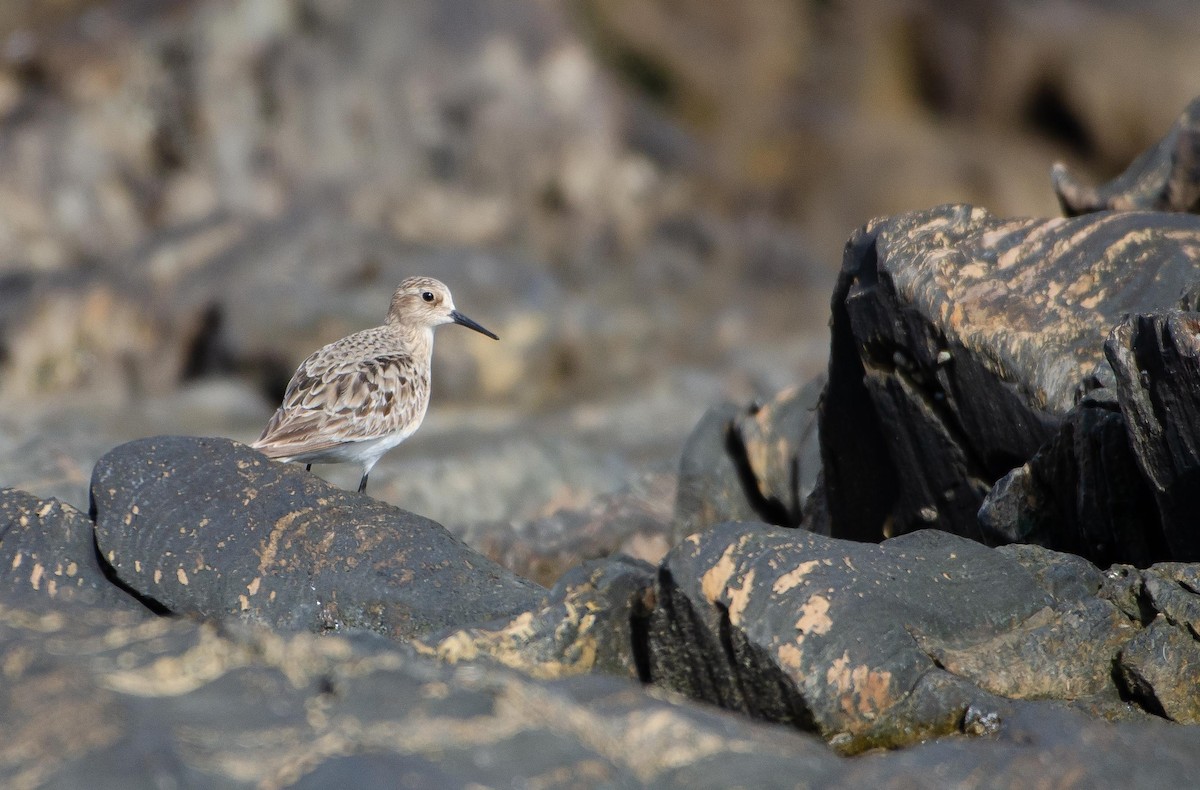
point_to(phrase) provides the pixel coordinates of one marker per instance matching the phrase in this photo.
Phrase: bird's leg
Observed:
(362, 484)
(308, 467)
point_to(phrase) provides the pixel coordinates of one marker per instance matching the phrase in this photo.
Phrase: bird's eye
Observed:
(427, 296)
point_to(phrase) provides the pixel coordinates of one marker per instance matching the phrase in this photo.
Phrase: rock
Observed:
(210, 527)
(1160, 668)
(1031, 744)
(1165, 178)
(49, 554)
(104, 699)
(593, 620)
(760, 463)
(1156, 359)
(780, 445)
(960, 344)
(877, 645)
(1082, 492)
(635, 521)
(711, 487)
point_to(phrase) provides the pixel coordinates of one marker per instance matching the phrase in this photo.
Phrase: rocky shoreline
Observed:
(827, 573)
(672, 532)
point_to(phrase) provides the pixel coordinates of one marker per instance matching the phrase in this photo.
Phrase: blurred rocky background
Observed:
(646, 199)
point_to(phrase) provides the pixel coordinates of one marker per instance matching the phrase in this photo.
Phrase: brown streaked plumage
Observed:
(359, 397)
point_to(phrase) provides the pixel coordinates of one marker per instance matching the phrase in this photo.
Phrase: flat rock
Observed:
(960, 343)
(49, 554)
(875, 645)
(211, 527)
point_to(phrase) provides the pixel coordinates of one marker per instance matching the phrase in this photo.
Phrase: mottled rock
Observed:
(592, 620)
(759, 463)
(961, 341)
(104, 699)
(875, 645)
(1082, 492)
(1156, 359)
(48, 554)
(1164, 178)
(711, 487)
(1037, 744)
(1160, 668)
(210, 527)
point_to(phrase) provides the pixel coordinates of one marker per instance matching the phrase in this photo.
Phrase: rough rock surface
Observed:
(879, 645)
(960, 343)
(99, 699)
(1082, 492)
(1156, 359)
(1165, 178)
(760, 463)
(48, 553)
(210, 527)
(593, 620)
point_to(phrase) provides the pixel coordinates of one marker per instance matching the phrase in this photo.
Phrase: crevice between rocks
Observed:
(110, 573)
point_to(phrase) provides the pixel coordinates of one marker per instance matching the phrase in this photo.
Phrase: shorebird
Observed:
(357, 398)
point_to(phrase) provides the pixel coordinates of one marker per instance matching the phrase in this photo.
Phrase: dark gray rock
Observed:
(1156, 359)
(593, 620)
(711, 487)
(1037, 744)
(759, 463)
(878, 645)
(104, 700)
(1160, 668)
(961, 342)
(48, 553)
(1164, 178)
(210, 527)
(1082, 492)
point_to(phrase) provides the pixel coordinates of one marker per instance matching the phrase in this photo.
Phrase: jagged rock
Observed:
(877, 644)
(210, 527)
(1035, 744)
(1082, 492)
(1156, 359)
(1165, 178)
(760, 463)
(102, 698)
(961, 342)
(48, 554)
(593, 620)
(1160, 668)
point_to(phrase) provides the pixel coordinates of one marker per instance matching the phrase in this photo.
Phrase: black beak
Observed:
(459, 318)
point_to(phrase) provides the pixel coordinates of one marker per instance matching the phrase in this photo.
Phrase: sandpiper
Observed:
(359, 397)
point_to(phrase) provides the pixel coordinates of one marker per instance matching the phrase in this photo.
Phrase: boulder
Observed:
(95, 698)
(211, 527)
(49, 554)
(960, 344)
(1156, 359)
(1164, 178)
(760, 462)
(593, 620)
(879, 645)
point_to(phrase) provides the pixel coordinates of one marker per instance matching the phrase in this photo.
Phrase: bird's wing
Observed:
(330, 402)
